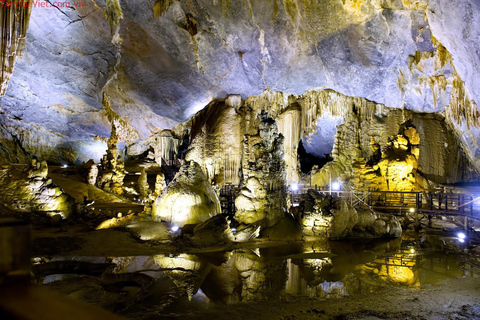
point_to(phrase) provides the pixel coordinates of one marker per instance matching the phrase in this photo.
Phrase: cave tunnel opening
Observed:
(308, 160)
(315, 149)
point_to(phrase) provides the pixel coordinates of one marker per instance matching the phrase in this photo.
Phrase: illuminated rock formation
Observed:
(262, 195)
(398, 168)
(188, 199)
(334, 218)
(401, 54)
(381, 152)
(214, 231)
(185, 270)
(92, 174)
(30, 190)
(143, 185)
(111, 172)
(160, 185)
(217, 141)
(251, 202)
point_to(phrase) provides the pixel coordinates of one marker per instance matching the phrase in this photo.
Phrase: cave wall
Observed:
(217, 140)
(440, 157)
(160, 66)
(219, 131)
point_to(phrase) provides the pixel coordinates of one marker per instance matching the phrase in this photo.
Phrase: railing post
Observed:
(461, 199)
(417, 221)
(431, 201)
(446, 201)
(471, 205)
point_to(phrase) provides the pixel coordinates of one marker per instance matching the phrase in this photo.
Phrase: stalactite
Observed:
(462, 107)
(166, 147)
(114, 14)
(14, 20)
(297, 116)
(160, 8)
(459, 106)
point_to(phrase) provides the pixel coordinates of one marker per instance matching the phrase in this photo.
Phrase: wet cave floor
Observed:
(421, 276)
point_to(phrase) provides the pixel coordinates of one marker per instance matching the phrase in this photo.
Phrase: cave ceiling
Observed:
(160, 62)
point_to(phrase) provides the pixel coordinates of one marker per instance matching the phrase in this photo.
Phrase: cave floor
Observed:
(295, 280)
(456, 298)
(421, 276)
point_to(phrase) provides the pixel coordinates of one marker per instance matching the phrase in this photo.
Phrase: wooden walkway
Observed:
(434, 203)
(425, 203)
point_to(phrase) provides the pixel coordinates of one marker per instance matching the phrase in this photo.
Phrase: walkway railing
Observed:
(460, 204)
(431, 203)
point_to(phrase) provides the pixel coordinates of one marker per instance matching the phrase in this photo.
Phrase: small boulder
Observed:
(214, 231)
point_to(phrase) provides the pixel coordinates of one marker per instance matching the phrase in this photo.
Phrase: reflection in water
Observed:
(166, 283)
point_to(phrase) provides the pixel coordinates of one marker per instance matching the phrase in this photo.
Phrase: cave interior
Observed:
(289, 159)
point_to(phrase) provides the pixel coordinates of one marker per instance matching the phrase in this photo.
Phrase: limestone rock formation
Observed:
(333, 218)
(214, 231)
(251, 203)
(160, 185)
(30, 190)
(160, 69)
(143, 185)
(14, 19)
(185, 270)
(388, 150)
(262, 196)
(188, 199)
(111, 175)
(398, 168)
(92, 174)
(216, 140)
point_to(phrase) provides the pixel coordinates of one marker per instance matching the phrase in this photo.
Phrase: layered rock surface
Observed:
(334, 218)
(395, 150)
(30, 190)
(160, 64)
(188, 199)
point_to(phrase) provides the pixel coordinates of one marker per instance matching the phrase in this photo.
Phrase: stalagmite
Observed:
(143, 185)
(188, 199)
(92, 174)
(160, 185)
(30, 190)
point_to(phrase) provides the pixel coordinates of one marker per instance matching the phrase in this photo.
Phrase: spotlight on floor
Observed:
(294, 187)
(175, 228)
(461, 235)
(336, 186)
(65, 166)
(412, 210)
